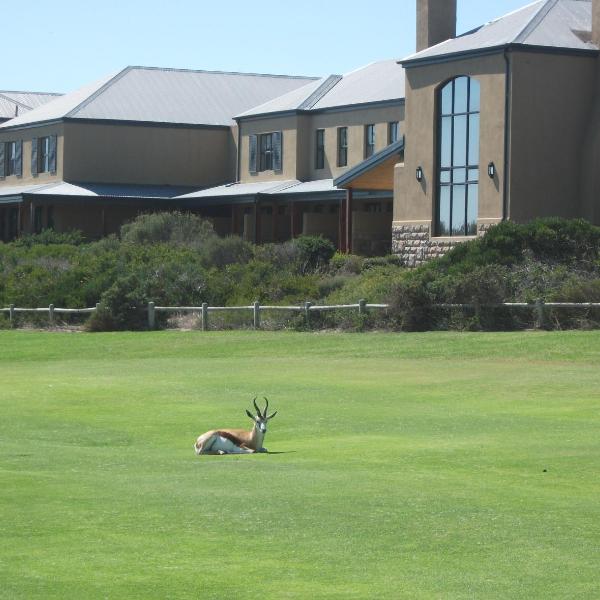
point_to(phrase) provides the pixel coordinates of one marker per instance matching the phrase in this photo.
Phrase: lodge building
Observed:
(410, 156)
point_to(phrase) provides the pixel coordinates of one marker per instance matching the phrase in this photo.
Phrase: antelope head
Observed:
(261, 418)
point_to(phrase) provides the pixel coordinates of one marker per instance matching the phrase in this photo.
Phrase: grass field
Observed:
(402, 466)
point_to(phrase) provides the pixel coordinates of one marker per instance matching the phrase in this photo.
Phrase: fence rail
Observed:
(539, 307)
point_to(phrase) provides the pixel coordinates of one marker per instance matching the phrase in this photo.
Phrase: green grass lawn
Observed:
(436, 465)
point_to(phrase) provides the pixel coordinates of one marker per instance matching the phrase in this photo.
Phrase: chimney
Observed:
(436, 22)
(596, 22)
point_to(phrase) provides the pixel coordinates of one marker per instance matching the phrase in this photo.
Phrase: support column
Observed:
(349, 221)
(342, 241)
(103, 219)
(257, 234)
(296, 220)
(31, 217)
(233, 219)
(274, 218)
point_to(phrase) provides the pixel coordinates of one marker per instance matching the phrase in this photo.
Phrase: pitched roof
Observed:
(16, 103)
(378, 82)
(175, 96)
(552, 23)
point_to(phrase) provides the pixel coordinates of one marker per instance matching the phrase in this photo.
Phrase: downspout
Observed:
(507, 123)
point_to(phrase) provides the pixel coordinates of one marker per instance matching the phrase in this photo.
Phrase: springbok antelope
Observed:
(236, 441)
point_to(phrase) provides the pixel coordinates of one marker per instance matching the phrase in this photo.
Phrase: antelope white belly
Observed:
(222, 444)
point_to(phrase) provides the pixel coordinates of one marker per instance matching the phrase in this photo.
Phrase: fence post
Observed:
(11, 313)
(97, 306)
(51, 315)
(307, 306)
(256, 315)
(539, 314)
(362, 307)
(204, 316)
(151, 315)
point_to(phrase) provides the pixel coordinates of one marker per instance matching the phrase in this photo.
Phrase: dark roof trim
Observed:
(131, 123)
(29, 125)
(476, 53)
(115, 122)
(371, 162)
(332, 109)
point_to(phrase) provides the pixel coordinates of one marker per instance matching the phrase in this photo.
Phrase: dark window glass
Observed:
(43, 155)
(266, 152)
(342, 146)
(369, 140)
(393, 132)
(11, 158)
(458, 158)
(320, 150)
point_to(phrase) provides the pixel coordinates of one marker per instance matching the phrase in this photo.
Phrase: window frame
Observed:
(319, 149)
(10, 162)
(454, 176)
(369, 140)
(342, 153)
(44, 154)
(393, 126)
(265, 152)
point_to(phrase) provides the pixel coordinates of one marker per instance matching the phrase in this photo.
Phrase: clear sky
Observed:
(64, 44)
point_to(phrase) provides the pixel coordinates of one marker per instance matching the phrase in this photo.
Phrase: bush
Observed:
(50, 237)
(176, 228)
(314, 252)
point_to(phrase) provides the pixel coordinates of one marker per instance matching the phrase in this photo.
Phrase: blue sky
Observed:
(64, 44)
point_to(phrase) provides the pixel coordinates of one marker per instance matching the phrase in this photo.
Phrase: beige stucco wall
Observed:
(299, 140)
(107, 153)
(414, 201)
(26, 135)
(355, 120)
(288, 126)
(552, 98)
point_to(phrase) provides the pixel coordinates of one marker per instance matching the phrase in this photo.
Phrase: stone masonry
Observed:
(413, 243)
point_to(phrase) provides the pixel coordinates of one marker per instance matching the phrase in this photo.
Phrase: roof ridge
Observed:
(535, 21)
(208, 72)
(97, 93)
(321, 91)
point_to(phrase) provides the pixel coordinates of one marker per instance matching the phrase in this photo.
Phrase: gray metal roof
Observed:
(241, 189)
(552, 23)
(99, 190)
(381, 81)
(174, 96)
(17, 103)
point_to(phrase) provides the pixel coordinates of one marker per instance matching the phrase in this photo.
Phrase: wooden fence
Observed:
(539, 307)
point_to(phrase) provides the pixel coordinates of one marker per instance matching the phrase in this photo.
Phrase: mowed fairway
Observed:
(436, 465)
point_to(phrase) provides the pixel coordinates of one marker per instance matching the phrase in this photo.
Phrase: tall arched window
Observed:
(458, 158)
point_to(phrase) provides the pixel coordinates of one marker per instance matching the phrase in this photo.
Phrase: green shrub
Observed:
(314, 252)
(177, 228)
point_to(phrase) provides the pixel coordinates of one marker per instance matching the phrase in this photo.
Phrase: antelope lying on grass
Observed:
(236, 441)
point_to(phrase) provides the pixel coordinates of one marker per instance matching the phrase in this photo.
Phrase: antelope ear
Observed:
(251, 415)
(271, 416)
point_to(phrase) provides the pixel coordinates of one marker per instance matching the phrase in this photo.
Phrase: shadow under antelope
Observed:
(236, 441)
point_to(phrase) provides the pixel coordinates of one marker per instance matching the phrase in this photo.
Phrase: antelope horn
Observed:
(251, 415)
(266, 407)
(256, 407)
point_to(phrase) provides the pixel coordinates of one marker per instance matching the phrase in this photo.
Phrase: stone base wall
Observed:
(413, 243)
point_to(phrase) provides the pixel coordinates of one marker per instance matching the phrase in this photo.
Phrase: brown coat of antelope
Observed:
(236, 441)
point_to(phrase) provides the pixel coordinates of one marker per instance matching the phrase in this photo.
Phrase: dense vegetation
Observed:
(177, 259)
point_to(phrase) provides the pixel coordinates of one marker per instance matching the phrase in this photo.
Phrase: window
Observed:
(266, 152)
(342, 146)
(11, 158)
(393, 132)
(44, 155)
(369, 140)
(320, 150)
(458, 157)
